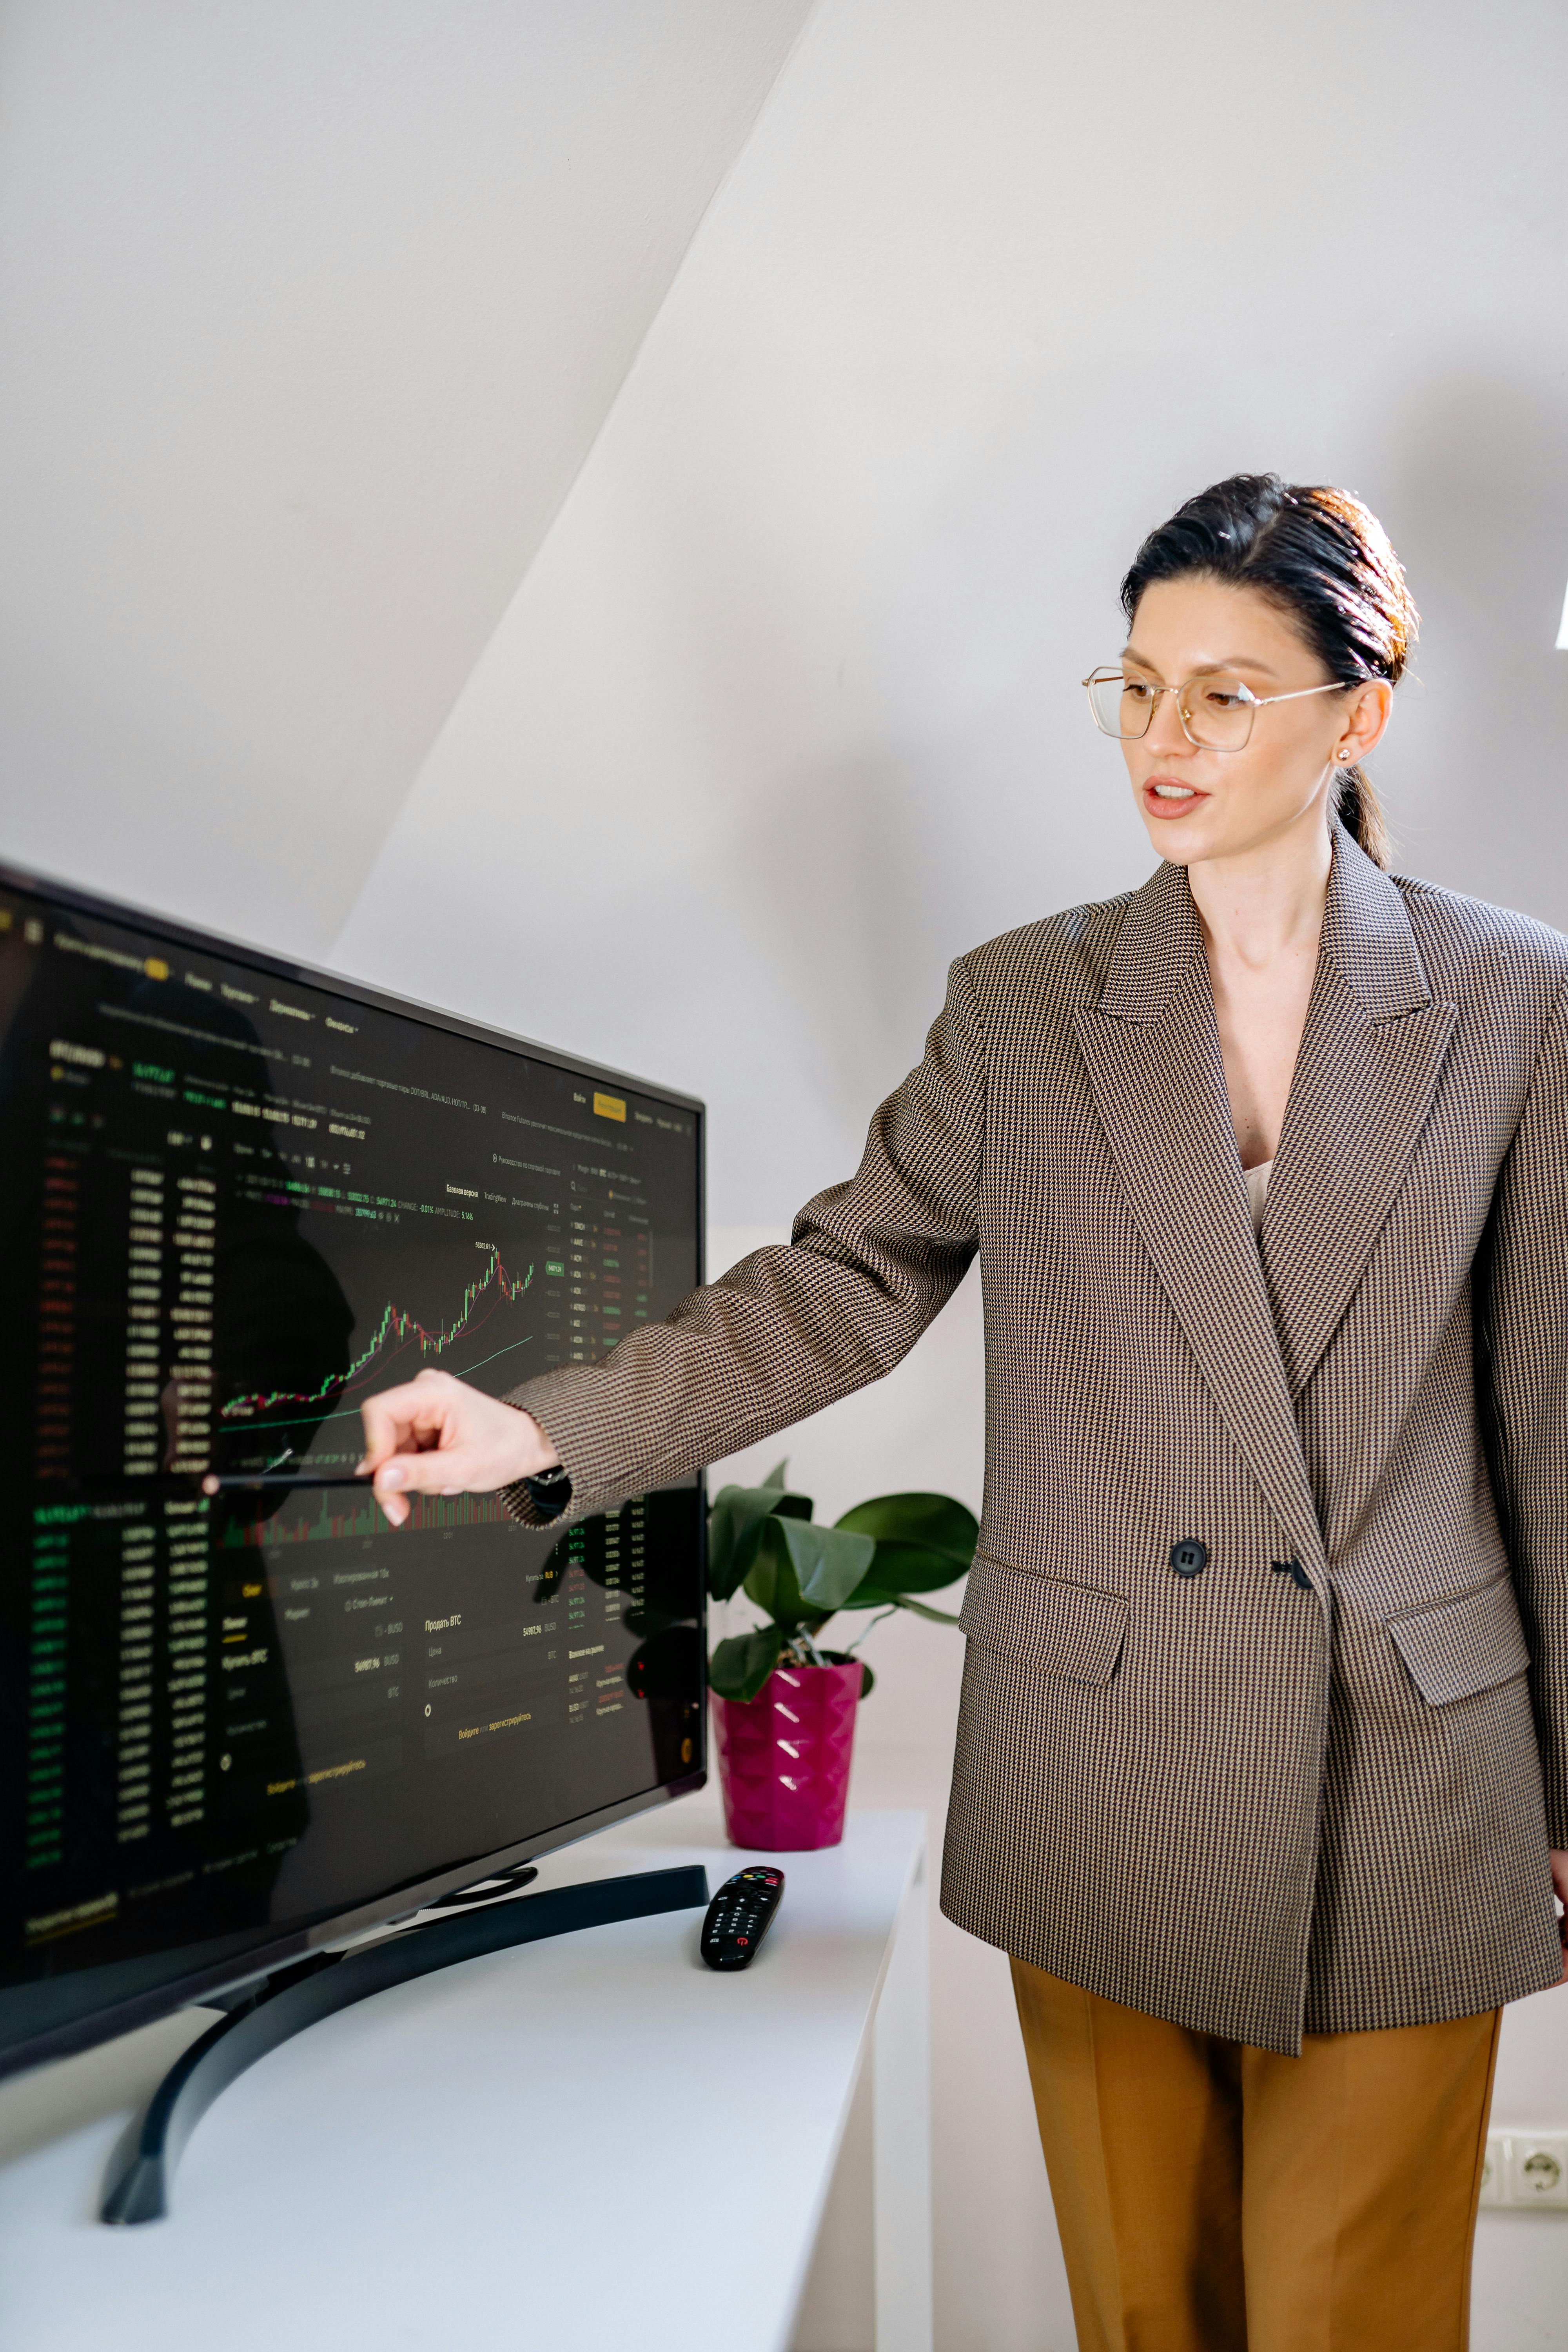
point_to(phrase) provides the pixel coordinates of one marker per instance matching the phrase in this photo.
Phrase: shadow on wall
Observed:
(1477, 502)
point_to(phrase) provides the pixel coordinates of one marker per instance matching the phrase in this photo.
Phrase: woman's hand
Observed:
(1560, 1881)
(436, 1436)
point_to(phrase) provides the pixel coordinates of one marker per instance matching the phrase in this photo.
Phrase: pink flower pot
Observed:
(784, 1758)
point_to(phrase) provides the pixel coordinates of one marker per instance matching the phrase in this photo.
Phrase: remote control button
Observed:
(740, 1915)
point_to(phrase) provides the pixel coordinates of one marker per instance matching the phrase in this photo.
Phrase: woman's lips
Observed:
(1181, 800)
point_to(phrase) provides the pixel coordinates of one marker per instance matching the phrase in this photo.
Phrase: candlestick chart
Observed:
(398, 1331)
(332, 1520)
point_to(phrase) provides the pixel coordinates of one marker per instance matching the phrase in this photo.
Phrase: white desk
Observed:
(592, 2143)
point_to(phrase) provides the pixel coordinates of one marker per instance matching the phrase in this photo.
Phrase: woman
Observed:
(1262, 1759)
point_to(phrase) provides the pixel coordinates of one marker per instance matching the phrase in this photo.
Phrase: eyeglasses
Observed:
(1215, 711)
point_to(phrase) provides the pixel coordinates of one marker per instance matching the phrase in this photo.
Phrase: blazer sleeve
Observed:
(1525, 1341)
(787, 1331)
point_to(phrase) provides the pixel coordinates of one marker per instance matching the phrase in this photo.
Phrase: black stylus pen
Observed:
(214, 1482)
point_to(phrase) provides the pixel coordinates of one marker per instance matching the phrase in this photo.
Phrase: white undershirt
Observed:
(1257, 1189)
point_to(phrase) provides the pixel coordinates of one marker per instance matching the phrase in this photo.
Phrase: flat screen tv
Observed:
(234, 1196)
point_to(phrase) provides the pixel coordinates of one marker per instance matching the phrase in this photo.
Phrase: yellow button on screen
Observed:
(609, 1106)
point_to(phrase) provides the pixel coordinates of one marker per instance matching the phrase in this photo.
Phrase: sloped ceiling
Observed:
(312, 314)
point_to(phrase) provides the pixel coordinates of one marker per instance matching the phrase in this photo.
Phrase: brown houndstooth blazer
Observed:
(1266, 1699)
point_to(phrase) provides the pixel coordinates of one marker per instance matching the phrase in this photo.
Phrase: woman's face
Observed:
(1200, 804)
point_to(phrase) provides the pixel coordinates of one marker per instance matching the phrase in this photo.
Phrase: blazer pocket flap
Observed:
(1458, 1648)
(1072, 1630)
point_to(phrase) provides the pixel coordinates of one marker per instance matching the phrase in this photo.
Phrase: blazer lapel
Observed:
(1151, 1050)
(1372, 1052)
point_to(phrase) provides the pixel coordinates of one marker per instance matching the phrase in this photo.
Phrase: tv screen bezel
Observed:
(273, 1951)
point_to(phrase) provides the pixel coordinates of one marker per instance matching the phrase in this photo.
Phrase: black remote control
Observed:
(740, 1915)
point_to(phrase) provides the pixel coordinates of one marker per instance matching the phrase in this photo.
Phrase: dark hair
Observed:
(1325, 559)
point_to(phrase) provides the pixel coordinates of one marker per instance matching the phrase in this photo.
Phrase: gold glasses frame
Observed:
(1109, 671)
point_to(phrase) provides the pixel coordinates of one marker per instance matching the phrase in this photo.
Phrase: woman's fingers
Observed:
(414, 1439)
(439, 1471)
(436, 1435)
(406, 1419)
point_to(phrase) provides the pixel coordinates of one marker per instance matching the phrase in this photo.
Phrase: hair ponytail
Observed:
(1325, 561)
(1360, 811)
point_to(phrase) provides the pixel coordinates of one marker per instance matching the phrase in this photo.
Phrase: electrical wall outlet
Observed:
(1538, 2168)
(1526, 2168)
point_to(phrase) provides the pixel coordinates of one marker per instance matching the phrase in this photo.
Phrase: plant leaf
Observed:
(903, 1568)
(739, 1666)
(778, 1476)
(929, 1522)
(771, 1579)
(735, 1525)
(915, 1568)
(775, 1584)
(828, 1563)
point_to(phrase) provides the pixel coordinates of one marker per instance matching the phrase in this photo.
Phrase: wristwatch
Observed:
(549, 1491)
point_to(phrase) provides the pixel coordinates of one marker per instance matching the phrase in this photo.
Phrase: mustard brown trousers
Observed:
(1215, 2198)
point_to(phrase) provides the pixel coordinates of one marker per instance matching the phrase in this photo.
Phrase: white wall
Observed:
(312, 312)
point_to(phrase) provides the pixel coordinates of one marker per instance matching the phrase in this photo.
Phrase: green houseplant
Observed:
(784, 1708)
(880, 1556)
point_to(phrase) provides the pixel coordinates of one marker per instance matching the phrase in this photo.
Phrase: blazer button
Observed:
(1189, 1558)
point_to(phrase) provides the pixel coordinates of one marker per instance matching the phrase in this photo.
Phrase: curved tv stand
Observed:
(297, 1997)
